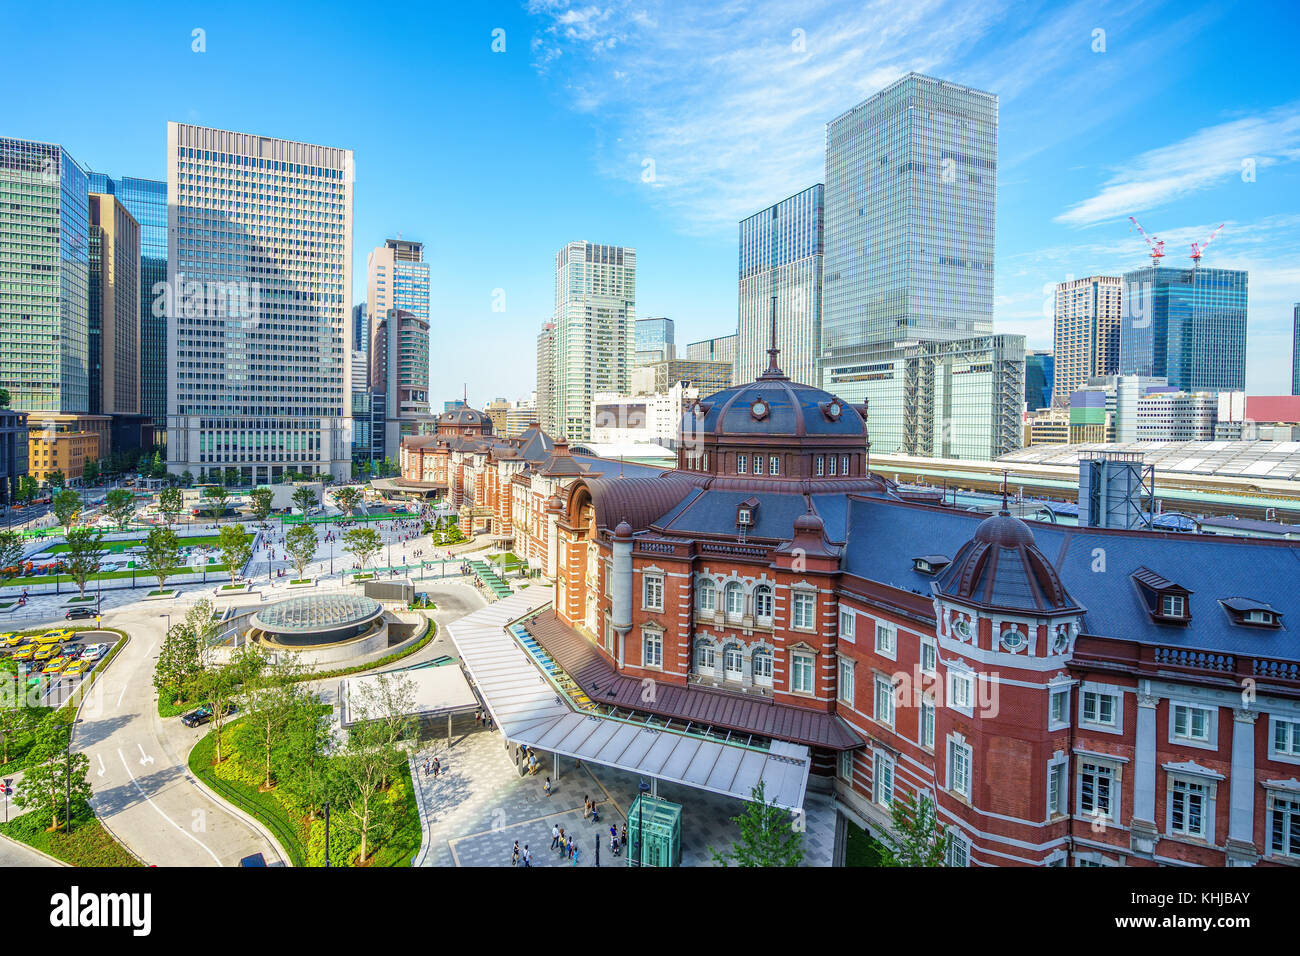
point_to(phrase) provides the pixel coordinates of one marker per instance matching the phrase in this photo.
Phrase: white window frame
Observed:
(1190, 787)
(742, 464)
(958, 676)
(703, 649)
(886, 640)
(1110, 770)
(758, 464)
(733, 651)
(802, 662)
(1289, 728)
(1099, 692)
(733, 590)
(1057, 695)
(930, 650)
(1286, 803)
(960, 766)
(801, 601)
(651, 583)
(1210, 714)
(844, 466)
(763, 594)
(1058, 772)
(883, 779)
(1168, 601)
(844, 766)
(706, 587)
(958, 854)
(925, 725)
(848, 625)
(774, 464)
(821, 465)
(652, 649)
(762, 660)
(844, 688)
(882, 700)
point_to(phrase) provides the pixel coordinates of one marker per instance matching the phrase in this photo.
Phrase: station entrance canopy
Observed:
(531, 707)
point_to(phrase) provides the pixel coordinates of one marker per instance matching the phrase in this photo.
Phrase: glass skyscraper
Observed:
(1040, 375)
(1185, 325)
(146, 201)
(911, 183)
(1295, 351)
(260, 268)
(781, 250)
(44, 278)
(654, 341)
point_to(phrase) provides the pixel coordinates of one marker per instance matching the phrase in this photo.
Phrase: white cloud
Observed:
(1208, 157)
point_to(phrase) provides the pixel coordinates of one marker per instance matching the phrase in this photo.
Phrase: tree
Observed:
(271, 700)
(54, 773)
(918, 839)
(305, 498)
(119, 504)
(90, 472)
(217, 496)
(259, 500)
(171, 503)
(348, 498)
(162, 553)
(187, 477)
(767, 836)
(178, 658)
(157, 467)
(302, 766)
(363, 544)
(362, 771)
(27, 488)
(231, 476)
(66, 507)
(16, 718)
(83, 554)
(55, 478)
(219, 685)
(301, 543)
(11, 548)
(235, 549)
(389, 704)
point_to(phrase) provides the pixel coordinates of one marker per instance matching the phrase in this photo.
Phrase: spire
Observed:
(773, 370)
(1004, 493)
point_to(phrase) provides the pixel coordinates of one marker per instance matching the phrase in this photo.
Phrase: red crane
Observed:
(1198, 249)
(1154, 243)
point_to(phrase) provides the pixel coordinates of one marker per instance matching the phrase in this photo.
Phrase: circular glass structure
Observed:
(313, 620)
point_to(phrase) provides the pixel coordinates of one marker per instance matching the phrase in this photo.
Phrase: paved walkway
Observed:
(479, 805)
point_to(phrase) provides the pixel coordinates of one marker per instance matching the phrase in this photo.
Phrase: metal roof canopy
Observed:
(438, 691)
(529, 710)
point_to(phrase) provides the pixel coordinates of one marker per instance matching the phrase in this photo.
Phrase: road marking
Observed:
(120, 696)
(149, 801)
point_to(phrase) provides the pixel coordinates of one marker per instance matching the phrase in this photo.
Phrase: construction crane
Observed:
(1154, 243)
(1198, 249)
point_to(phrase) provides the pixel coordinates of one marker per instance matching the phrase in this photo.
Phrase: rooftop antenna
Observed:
(773, 370)
(1004, 493)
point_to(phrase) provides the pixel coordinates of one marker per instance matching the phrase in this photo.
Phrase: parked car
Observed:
(56, 665)
(47, 652)
(26, 652)
(200, 716)
(79, 613)
(76, 668)
(93, 652)
(53, 637)
(11, 640)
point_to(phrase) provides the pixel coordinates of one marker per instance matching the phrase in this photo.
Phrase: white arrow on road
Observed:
(144, 757)
(101, 765)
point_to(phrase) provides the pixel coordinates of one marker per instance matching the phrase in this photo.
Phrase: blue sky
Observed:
(495, 159)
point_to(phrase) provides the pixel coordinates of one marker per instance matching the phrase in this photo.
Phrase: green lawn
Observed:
(198, 541)
(861, 849)
(89, 844)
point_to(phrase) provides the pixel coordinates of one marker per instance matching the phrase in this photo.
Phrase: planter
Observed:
(363, 577)
(234, 588)
(304, 583)
(163, 595)
(88, 599)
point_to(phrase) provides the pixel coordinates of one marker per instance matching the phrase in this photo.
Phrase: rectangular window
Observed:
(1284, 826)
(1058, 708)
(742, 464)
(758, 464)
(1191, 723)
(929, 657)
(1186, 807)
(882, 782)
(886, 638)
(832, 464)
(821, 465)
(844, 464)
(801, 673)
(959, 759)
(1096, 790)
(846, 681)
(652, 649)
(961, 690)
(1098, 708)
(958, 850)
(884, 700)
(804, 606)
(846, 765)
(653, 592)
(1286, 738)
(927, 723)
(1056, 789)
(774, 465)
(847, 622)
(1173, 605)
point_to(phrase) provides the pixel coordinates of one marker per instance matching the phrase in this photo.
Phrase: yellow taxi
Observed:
(25, 652)
(53, 637)
(76, 668)
(11, 640)
(46, 652)
(56, 665)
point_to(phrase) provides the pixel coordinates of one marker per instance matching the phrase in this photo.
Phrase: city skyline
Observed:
(1063, 198)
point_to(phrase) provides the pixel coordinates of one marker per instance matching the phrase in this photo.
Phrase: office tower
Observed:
(146, 201)
(959, 399)
(546, 377)
(911, 180)
(44, 276)
(720, 349)
(259, 264)
(361, 344)
(659, 377)
(114, 313)
(397, 277)
(781, 273)
(1085, 331)
(1295, 351)
(400, 369)
(1040, 370)
(654, 341)
(1187, 326)
(595, 309)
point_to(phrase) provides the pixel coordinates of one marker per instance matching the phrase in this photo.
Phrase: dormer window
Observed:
(930, 563)
(1167, 602)
(1252, 613)
(1173, 605)
(745, 513)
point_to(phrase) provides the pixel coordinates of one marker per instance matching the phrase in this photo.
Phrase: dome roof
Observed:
(464, 415)
(1001, 567)
(774, 405)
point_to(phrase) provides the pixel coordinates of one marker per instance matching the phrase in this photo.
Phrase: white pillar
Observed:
(1241, 790)
(1144, 831)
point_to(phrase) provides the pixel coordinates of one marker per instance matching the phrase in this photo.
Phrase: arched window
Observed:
(704, 659)
(706, 595)
(735, 600)
(763, 603)
(733, 662)
(762, 662)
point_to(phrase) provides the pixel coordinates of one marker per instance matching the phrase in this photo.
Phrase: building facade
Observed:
(1295, 350)
(146, 201)
(911, 185)
(397, 277)
(659, 378)
(1085, 331)
(595, 342)
(400, 370)
(719, 349)
(45, 272)
(260, 335)
(1040, 375)
(64, 443)
(655, 341)
(781, 250)
(546, 377)
(647, 419)
(13, 453)
(114, 308)
(361, 345)
(1187, 326)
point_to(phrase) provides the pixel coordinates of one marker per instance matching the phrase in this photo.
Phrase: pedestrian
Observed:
(548, 786)
(573, 852)
(555, 836)
(528, 857)
(426, 766)
(514, 856)
(437, 766)
(562, 843)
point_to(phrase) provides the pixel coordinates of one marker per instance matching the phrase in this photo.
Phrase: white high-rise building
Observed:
(259, 330)
(595, 339)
